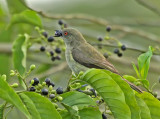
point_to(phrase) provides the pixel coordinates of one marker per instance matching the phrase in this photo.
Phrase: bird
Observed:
(81, 56)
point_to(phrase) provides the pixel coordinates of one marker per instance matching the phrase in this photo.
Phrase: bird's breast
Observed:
(74, 66)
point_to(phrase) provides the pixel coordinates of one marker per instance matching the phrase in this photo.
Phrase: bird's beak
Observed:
(58, 33)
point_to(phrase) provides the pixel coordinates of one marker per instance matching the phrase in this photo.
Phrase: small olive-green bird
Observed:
(81, 56)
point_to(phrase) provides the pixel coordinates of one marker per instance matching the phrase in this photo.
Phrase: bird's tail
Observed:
(134, 87)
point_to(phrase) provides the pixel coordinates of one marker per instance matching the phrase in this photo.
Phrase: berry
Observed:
(58, 57)
(59, 98)
(104, 116)
(50, 39)
(53, 58)
(45, 34)
(100, 39)
(58, 50)
(32, 89)
(123, 47)
(59, 90)
(36, 81)
(44, 91)
(32, 67)
(108, 29)
(60, 22)
(42, 48)
(52, 84)
(105, 55)
(51, 53)
(116, 51)
(51, 96)
(119, 54)
(48, 81)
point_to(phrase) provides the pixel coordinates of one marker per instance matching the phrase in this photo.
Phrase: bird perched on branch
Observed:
(81, 56)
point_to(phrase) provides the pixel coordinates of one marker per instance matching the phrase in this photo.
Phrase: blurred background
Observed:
(134, 23)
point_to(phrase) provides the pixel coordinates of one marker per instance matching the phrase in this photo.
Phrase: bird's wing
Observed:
(88, 56)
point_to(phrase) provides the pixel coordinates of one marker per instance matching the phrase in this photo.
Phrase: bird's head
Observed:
(71, 37)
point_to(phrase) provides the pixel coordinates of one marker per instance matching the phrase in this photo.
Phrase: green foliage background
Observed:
(122, 12)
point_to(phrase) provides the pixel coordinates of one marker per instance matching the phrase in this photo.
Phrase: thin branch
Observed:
(129, 48)
(99, 21)
(149, 6)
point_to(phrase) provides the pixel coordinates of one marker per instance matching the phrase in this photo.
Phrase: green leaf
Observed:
(39, 105)
(19, 51)
(136, 70)
(143, 63)
(90, 113)
(152, 103)
(130, 78)
(145, 112)
(129, 95)
(77, 98)
(145, 83)
(8, 94)
(65, 114)
(28, 17)
(2, 110)
(72, 111)
(110, 92)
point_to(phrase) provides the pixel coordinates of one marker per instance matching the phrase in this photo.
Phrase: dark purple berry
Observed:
(116, 51)
(42, 48)
(50, 39)
(52, 96)
(45, 34)
(119, 54)
(53, 58)
(44, 91)
(60, 22)
(32, 89)
(100, 39)
(58, 57)
(104, 116)
(58, 50)
(51, 53)
(105, 55)
(52, 84)
(36, 81)
(48, 81)
(108, 29)
(59, 90)
(123, 47)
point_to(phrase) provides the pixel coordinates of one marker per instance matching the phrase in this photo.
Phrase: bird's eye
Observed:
(65, 33)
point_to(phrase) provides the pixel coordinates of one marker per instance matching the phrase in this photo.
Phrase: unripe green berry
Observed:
(40, 86)
(4, 77)
(32, 81)
(59, 98)
(107, 37)
(53, 91)
(32, 67)
(50, 88)
(43, 83)
(81, 73)
(12, 74)
(15, 85)
(12, 71)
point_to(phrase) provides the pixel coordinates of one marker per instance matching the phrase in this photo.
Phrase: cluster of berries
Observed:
(46, 89)
(117, 51)
(57, 50)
